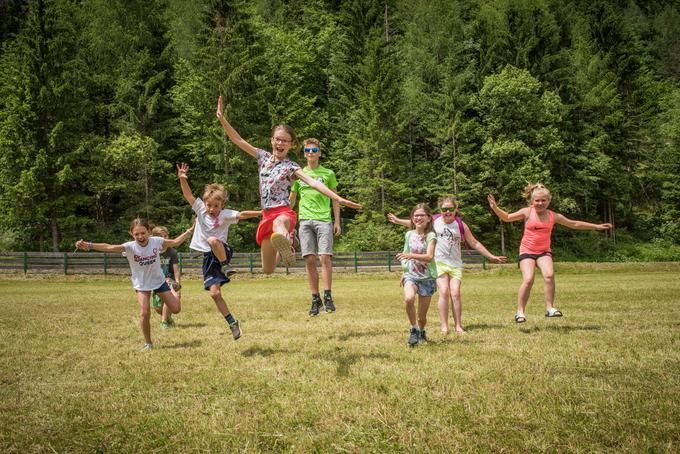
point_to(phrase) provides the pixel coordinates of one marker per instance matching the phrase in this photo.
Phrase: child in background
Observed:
(143, 255)
(210, 237)
(534, 249)
(419, 270)
(173, 276)
(451, 233)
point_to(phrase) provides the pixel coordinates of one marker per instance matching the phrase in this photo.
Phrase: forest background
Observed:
(100, 99)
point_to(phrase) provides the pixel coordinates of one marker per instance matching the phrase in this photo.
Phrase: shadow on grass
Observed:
(346, 360)
(261, 351)
(482, 326)
(192, 344)
(560, 328)
(357, 334)
(191, 325)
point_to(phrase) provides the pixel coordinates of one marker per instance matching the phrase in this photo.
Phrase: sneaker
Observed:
(413, 337)
(328, 304)
(235, 330)
(146, 347)
(156, 300)
(316, 305)
(229, 272)
(176, 286)
(283, 246)
(422, 338)
(165, 324)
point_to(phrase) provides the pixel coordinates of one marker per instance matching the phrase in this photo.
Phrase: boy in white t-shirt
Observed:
(143, 255)
(210, 237)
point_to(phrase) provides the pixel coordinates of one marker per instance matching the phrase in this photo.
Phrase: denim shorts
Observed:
(424, 287)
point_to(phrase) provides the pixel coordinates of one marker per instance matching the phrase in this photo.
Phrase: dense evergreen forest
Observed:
(412, 99)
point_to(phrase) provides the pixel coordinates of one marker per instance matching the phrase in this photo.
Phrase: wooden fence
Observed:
(190, 262)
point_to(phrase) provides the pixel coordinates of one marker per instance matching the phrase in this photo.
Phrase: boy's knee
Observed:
(215, 293)
(214, 241)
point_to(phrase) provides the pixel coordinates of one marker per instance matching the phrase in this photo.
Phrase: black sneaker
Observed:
(422, 338)
(235, 330)
(413, 337)
(316, 305)
(328, 304)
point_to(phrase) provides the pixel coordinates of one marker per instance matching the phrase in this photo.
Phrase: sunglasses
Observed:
(311, 150)
(449, 209)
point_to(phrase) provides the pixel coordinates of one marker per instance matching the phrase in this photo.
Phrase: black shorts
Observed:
(212, 270)
(533, 256)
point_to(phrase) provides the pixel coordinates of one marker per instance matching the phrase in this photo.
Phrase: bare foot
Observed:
(445, 330)
(460, 330)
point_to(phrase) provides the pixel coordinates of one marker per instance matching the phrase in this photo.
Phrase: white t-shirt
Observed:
(145, 263)
(207, 226)
(448, 243)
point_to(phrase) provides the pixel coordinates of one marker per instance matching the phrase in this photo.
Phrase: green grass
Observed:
(603, 378)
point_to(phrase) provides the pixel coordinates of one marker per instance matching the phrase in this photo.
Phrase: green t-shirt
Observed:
(314, 205)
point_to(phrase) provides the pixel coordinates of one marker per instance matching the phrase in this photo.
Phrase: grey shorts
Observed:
(316, 237)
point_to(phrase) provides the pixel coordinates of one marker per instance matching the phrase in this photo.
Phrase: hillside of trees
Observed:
(100, 99)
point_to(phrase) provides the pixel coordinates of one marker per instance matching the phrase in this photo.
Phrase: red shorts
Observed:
(265, 229)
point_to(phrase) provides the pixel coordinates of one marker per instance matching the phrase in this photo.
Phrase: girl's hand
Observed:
(403, 256)
(492, 201)
(84, 245)
(606, 226)
(401, 281)
(182, 170)
(499, 259)
(350, 204)
(220, 108)
(392, 218)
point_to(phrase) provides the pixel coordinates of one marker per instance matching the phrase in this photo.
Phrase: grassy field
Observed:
(606, 377)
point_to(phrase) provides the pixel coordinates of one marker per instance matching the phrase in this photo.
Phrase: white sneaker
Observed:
(146, 347)
(283, 246)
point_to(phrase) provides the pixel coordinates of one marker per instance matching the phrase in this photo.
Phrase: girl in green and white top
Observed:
(420, 271)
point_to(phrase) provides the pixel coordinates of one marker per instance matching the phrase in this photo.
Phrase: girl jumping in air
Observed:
(143, 255)
(534, 249)
(277, 172)
(451, 233)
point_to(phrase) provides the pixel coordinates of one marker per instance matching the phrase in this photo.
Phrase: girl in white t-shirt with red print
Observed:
(143, 255)
(277, 173)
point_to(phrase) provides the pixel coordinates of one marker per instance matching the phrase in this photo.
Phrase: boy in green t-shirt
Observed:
(316, 225)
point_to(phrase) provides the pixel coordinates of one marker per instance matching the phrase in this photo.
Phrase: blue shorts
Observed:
(424, 287)
(163, 288)
(212, 270)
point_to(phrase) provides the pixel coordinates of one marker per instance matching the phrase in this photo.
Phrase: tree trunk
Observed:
(54, 227)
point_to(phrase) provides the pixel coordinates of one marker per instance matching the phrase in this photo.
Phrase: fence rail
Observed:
(109, 263)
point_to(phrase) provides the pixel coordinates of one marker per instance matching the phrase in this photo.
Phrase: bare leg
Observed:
(326, 270)
(312, 273)
(409, 302)
(171, 301)
(527, 266)
(217, 248)
(216, 295)
(545, 264)
(443, 302)
(423, 306)
(144, 300)
(454, 287)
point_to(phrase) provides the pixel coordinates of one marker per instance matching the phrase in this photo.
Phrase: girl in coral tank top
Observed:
(534, 250)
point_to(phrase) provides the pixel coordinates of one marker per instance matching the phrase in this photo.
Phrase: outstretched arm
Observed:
(322, 188)
(101, 247)
(248, 214)
(399, 221)
(180, 239)
(580, 225)
(231, 132)
(519, 215)
(182, 170)
(479, 247)
(337, 227)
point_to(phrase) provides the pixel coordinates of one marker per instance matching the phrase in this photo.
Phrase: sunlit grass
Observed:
(604, 377)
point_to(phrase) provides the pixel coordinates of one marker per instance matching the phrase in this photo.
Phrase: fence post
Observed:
(483, 262)
(65, 263)
(25, 262)
(250, 262)
(356, 263)
(106, 262)
(181, 271)
(389, 261)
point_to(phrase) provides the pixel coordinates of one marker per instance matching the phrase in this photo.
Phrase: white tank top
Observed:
(448, 243)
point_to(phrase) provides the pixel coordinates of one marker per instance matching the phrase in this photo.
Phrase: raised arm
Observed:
(504, 216)
(479, 247)
(182, 170)
(180, 239)
(322, 188)
(231, 132)
(100, 247)
(248, 214)
(399, 221)
(580, 225)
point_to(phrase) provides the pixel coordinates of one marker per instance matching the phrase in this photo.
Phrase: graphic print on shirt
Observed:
(146, 260)
(417, 246)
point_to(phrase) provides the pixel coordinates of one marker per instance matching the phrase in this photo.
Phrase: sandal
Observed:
(553, 313)
(520, 318)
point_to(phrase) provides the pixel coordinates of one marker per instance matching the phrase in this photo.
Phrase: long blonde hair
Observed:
(534, 188)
